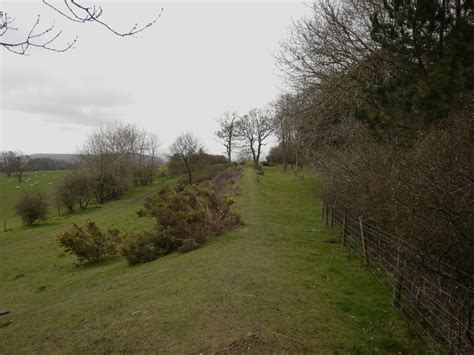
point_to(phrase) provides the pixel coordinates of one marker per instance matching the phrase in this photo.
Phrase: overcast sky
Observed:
(199, 60)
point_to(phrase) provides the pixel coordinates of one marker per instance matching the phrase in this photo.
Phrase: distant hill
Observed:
(70, 158)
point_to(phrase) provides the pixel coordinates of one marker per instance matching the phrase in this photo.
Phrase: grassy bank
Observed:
(272, 285)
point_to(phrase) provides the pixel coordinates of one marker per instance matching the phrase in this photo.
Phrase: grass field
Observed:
(11, 189)
(273, 285)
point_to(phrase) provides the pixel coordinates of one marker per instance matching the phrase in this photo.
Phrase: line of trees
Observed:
(248, 132)
(381, 104)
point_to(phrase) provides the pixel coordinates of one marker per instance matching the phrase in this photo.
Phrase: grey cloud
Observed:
(33, 93)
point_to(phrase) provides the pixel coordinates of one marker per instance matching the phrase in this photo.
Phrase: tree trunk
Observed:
(229, 151)
(255, 161)
(259, 147)
(229, 156)
(188, 168)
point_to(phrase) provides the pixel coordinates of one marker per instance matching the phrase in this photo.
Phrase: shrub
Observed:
(144, 247)
(32, 207)
(192, 213)
(74, 189)
(267, 163)
(186, 217)
(88, 243)
(111, 186)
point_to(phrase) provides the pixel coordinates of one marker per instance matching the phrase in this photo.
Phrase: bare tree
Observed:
(14, 162)
(46, 38)
(184, 147)
(145, 158)
(8, 162)
(253, 129)
(226, 132)
(153, 150)
(19, 164)
(110, 155)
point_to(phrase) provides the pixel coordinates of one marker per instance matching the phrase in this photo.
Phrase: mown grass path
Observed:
(271, 285)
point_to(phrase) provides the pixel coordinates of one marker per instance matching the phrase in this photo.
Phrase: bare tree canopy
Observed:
(46, 37)
(253, 129)
(184, 147)
(226, 133)
(117, 156)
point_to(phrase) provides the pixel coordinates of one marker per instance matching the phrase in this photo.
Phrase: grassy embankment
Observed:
(272, 285)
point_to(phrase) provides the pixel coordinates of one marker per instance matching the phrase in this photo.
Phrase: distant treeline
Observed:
(15, 163)
(38, 164)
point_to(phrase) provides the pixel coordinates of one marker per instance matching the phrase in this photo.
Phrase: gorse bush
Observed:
(32, 207)
(88, 242)
(186, 217)
(144, 247)
(191, 213)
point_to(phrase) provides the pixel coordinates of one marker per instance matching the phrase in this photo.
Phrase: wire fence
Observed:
(437, 305)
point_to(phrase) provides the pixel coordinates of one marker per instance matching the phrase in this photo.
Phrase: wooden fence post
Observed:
(4, 225)
(362, 237)
(343, 240)
(322, 210)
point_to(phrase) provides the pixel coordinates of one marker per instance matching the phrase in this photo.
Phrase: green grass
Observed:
(272, 285)
(11, 189)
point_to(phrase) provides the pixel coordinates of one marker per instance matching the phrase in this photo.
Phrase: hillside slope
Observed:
(272, 285)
